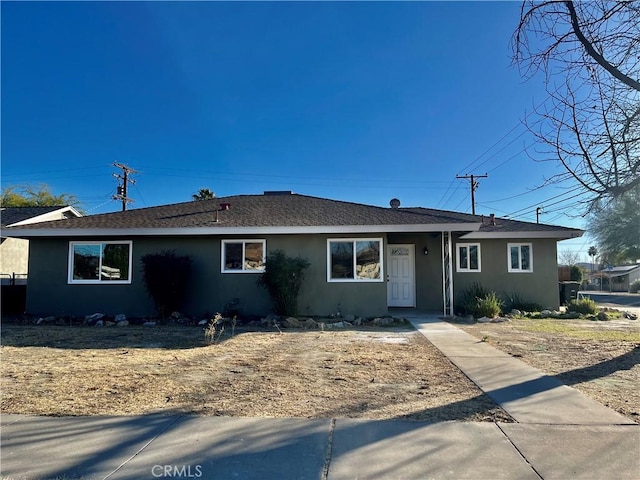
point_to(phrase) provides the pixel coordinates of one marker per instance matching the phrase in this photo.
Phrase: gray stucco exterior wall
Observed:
(210, 290)
(539, 286)
(49, 293)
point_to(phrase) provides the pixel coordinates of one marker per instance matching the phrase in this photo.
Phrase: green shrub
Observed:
(488, 306)
(585, 306)
(479, 302)
(467, 300)
(635, 287)
(166, 277)
(282, 278)
(576, 273)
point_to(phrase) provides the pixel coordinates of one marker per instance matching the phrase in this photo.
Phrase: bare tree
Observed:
(589, 53)
(567, 257)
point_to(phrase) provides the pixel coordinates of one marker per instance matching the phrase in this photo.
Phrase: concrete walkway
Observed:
(560, 434)
(526, 393)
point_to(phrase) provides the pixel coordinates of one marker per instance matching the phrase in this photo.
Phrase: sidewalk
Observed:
(560, 434)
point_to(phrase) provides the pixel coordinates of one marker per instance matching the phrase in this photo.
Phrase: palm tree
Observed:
(593, 251)
(204, 194)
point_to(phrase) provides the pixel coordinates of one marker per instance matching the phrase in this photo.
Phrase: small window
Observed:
(354, 260)
(520, 257)
(468, 257)
(100, 262)
(243, 256)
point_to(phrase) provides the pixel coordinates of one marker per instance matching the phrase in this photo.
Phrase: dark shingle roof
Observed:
(268, 211)
(11, 215)
(500, 225)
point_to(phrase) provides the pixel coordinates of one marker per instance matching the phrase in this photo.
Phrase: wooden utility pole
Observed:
(122, 188)
(474, 186)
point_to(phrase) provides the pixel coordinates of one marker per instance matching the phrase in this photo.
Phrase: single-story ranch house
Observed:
(364, 260)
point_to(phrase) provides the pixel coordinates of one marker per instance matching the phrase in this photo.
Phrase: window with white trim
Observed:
(354, 260)
(243, 256)
(520, 257)
(100, 262)
(468, 257)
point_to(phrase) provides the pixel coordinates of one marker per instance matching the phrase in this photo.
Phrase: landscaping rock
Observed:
(310, 324)
(545, 313)
(484, 320)
(99, 323)
(149, 324)
(339, 325)
(203, 322)
(109, 323)
(516, 312)
(123, 323)
(92, 319)
(602, 316)
(269, 320)
(49, 320)
(383, 322)
(630, 316)
(121, 317)
(291, 322)
(500, 320)
(357, 322)
(349, 318)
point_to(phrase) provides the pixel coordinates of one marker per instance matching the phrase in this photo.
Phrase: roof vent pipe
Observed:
(492, 219)
(223, 207)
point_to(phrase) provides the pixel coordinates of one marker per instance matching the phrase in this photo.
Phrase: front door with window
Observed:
(401, 288)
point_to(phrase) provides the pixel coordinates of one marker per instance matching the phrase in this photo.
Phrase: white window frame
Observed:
(98, 281)
(244, 242)
(467, 268)
(519, 269)
(355, 278)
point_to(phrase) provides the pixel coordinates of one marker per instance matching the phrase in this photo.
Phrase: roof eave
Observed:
(557, 234)
(222, 230)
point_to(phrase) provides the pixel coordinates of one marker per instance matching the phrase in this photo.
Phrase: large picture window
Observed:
(243, 256)
(358, 260)
(100, 262)
(520, 257)
(468, 257)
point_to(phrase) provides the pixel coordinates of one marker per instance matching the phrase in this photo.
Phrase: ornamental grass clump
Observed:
(488, 306)
(584, 306)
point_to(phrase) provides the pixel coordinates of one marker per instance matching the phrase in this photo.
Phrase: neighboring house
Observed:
(364, 260)
(14, 252)
(621, 277)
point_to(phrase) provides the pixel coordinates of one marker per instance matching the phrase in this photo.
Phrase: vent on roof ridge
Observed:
(278, 192)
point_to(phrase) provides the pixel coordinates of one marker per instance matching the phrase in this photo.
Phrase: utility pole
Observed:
(474, 186)
(122, 188)
(538, 212)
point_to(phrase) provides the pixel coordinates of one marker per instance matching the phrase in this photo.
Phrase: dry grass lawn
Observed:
(376, 374)
(600, 359)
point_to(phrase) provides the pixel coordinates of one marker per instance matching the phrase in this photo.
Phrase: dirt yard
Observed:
(600, 359)
(375, 373)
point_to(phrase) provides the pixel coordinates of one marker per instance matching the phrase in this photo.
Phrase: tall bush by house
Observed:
(282, 278)
(166, 277)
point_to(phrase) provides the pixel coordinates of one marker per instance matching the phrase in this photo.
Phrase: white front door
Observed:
(401, 285)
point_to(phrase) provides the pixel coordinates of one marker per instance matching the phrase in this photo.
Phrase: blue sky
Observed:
(355, 101)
